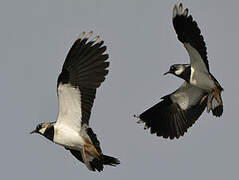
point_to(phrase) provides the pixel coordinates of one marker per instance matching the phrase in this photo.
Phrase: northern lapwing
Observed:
(179, 110)
(83, 72)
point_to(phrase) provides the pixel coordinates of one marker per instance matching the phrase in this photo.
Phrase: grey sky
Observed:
(35, 38)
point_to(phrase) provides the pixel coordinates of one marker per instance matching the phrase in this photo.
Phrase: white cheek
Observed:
(42, 130)
(179, 71)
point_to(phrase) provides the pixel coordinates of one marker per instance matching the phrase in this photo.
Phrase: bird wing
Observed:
(176, 112)
(189, 34)
(83, 71)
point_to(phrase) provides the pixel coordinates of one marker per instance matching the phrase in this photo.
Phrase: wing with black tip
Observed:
(189, 34)
(83, 72)
(177, 112)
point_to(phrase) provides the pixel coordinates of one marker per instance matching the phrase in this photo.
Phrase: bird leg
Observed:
(84, 155)
(210, 106)
(209, 102)
(90, 149)
(214, 94)
(217, 95)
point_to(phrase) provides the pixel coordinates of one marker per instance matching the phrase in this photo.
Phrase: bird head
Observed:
(177, 69)
(41, 128)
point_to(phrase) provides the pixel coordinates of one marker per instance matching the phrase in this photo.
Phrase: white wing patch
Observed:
(70, 113)
(180, 70)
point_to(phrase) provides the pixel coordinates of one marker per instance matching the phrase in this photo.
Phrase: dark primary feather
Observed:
(85, 68)
(87, 100)
(168, 120)
(188, 32)
(94, 140)
(76, 154)
(85, 64)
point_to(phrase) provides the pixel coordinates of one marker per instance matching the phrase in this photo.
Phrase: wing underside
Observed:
(189, 34)
(83, 72)
(177, 112)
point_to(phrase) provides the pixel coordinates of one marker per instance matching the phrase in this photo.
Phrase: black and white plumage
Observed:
(189, 34)
(179, 110)
(83, 72)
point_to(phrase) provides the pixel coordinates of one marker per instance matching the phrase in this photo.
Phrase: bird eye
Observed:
(38, 126)
(172, 68)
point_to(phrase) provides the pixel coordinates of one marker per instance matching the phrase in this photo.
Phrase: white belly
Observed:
(67, 137)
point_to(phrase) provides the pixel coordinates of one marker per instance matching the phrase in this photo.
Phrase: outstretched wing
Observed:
(83, 71)
(189, 34)
(176, 112)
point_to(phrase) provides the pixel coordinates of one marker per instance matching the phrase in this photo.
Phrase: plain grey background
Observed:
(35, 38)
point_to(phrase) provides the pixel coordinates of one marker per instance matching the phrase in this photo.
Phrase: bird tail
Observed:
(98, 164)
(111, 161)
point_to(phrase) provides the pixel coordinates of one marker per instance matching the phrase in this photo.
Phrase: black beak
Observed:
(34, 131)
(167, 73)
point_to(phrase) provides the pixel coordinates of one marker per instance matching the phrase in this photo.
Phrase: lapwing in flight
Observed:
(179, 110)
(83, 72)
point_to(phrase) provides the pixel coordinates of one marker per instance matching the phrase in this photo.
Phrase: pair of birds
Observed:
(85, 69)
